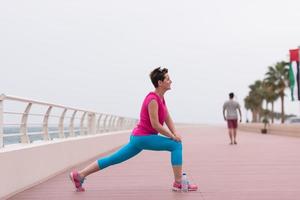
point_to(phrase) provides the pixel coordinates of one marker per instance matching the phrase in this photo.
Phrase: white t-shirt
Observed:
(231, 108)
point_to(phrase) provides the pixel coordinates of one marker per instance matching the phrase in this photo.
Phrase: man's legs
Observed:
(230, 132)
(235, 125)
(234, 136)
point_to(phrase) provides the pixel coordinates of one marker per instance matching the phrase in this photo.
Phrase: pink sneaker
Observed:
(77, 181)
(177, 187)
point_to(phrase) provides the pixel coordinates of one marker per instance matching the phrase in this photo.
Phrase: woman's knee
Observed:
(178, 146)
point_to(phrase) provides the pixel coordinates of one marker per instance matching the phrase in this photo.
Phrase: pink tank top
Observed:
(144, 126)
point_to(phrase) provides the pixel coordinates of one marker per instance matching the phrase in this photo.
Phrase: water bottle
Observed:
(184, 183)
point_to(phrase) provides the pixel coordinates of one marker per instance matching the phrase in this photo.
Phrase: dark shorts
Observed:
(232, 123)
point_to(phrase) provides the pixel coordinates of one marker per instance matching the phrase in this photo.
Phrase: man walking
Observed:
(231, 117)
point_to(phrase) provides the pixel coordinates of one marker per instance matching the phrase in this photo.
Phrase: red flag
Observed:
(294, 55)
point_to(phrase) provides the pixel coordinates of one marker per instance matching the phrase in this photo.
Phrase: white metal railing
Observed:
(24, 131)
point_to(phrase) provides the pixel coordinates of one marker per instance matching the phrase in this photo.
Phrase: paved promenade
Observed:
(260, 167)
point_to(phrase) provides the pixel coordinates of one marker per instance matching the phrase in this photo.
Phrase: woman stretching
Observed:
(145, 136)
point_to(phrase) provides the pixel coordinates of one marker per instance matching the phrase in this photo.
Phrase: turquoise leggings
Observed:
(139, 143)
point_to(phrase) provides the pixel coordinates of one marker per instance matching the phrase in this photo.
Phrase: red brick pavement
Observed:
(260, 167)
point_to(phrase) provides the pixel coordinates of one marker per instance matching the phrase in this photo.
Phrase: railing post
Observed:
(121, 123)
(104, 123)
(71, 126)
(109, 123)
(113, 124)
(91, 123)
(119, 119)
(23, 128)
(61, 124)
(45, 124)
(128, 123)
(125, 124)
(98, 123)
(1, 120)
(82, 124)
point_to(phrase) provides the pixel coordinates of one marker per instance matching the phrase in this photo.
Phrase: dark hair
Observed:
(231, 95)
(158, 74)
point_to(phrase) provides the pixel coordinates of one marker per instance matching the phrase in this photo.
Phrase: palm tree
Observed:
(270, 96)
(250, 104)
(278, 75)
(254, 100)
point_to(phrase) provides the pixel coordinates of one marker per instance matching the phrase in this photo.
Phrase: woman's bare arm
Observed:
(153, 114)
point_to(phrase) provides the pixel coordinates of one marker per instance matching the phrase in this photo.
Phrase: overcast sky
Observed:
(97, 55)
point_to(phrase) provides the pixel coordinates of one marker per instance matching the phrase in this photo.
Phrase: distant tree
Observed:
(270, 96)
(254, 100)
(278, 76)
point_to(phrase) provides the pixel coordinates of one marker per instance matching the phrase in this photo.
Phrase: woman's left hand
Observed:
(177, 138)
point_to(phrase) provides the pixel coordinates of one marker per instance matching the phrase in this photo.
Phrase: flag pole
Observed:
(297, 77)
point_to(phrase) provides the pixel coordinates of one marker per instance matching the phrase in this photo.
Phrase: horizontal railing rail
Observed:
(71, 122)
